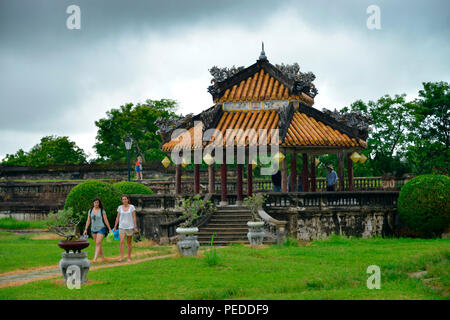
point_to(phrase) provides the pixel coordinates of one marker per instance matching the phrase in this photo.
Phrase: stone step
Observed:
(219, 229)
(229, 225)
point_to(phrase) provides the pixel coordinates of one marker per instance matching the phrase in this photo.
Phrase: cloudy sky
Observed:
(54, 80)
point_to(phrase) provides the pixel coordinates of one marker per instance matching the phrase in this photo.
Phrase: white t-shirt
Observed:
(126, 217)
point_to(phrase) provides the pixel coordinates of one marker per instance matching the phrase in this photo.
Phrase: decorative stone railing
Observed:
(273, 227)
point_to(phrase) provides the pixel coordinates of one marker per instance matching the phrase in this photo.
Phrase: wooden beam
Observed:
(223, 178)
(211, 178)
(249, 180)
(239, 174)
(350, 172)
(196, 178)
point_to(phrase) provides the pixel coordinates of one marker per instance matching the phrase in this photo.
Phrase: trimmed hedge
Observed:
(126, 187)
(424, 206)
(80, 198)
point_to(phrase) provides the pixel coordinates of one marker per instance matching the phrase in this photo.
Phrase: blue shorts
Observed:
(102, 231)
(138, 168)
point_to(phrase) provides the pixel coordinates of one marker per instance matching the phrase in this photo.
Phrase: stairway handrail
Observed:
(272, 226)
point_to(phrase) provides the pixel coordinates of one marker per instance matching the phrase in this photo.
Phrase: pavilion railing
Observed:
(266, 185)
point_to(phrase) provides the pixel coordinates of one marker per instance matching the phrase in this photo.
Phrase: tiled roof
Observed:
(190, 139)
(303, 131)
(261, 86)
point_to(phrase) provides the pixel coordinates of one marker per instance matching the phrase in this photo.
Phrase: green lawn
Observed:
(11, 223)
(329, 269)
(22, 252)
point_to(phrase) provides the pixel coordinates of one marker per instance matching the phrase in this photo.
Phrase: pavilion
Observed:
(267, 96)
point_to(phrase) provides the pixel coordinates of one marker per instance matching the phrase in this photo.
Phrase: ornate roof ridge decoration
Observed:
(285, 115)
(167, 125)
(289, 75)
(327, 119)
(355, 120)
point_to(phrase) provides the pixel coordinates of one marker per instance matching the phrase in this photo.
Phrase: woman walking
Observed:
(97, 215)
(138, 168)
(126, 218)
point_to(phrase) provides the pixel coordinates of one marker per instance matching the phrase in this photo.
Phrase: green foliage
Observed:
(254, 203)
(288, 242)
(424, 206)
(64, 223)
(81, 197)
(193, 208)
(126, 187)
(50, 151)
(138, 122)
(211, 256)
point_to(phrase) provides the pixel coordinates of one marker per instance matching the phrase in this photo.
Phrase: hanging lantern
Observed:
(254, 164)
(185, 162)
(279, 156)
(355, 157)
(165, 162)
(209, 160)
(362, 158)
(317, 161)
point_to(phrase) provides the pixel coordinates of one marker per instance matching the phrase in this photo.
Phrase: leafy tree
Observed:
(430, 148)
(388, 140)
(51, 150)
(137, 122)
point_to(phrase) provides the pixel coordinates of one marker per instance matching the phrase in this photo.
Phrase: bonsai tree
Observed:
(64, 223)
(193, 208)
(254, 203)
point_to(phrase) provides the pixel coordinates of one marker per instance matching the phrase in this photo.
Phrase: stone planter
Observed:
(255, 233)
(75, 258)
(78, 259)
(188, 243)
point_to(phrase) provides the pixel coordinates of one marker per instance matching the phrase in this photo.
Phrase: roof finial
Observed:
(262, 56)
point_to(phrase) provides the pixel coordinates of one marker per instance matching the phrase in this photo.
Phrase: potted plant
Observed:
(193, 208)
(64, 223)
(256, 232)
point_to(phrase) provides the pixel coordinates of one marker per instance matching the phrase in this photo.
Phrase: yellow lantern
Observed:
(279, 156)
(355, 157)
(209, 160)
(362, 158)
(254, 164)
(185, 162)
(317, 161)
(165, 162)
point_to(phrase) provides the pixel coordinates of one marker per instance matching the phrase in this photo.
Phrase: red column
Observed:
(249, 180)
(305, 173)
(313, 174)
(211, 178)
(284, 182)
(341, 169)
(240, 171)
(294, 172)
(223, 177)
(178, 179)
(350, 172)
(196, 178)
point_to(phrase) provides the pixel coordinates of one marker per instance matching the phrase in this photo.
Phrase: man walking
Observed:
(331, 178)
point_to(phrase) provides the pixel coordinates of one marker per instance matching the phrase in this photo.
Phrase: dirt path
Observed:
(20, 277)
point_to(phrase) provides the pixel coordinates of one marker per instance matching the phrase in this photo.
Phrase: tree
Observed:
(388, 140)
(51, 150)
(138, 122)
(429, 151)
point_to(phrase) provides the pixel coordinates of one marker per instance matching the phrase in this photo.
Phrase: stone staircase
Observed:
(229, 225)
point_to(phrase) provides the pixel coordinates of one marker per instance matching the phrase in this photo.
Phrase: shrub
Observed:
(126, 187)
(64, 223)
(423, 204)
(80, 199)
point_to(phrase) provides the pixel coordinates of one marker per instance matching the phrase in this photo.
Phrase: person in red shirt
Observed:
(139, 169)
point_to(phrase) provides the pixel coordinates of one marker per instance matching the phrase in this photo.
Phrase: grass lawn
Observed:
(11, 223)
(329, 269)
(40, 249)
